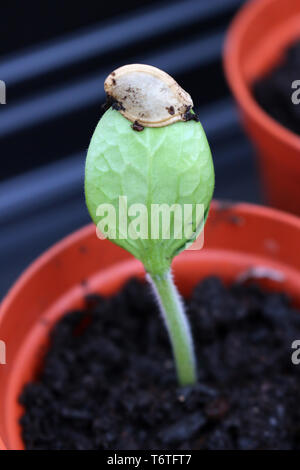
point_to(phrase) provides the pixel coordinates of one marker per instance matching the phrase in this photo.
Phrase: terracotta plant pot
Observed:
(255, 43)
(236, 238)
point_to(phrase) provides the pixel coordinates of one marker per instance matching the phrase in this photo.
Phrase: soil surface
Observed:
(274, 91)
(108, 381)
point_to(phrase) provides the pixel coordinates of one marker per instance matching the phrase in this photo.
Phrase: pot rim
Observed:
(41, 260)
(69, 240)
(246, 15)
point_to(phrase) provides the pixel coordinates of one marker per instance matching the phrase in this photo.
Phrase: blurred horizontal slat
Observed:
(41, 187)
(104, 39)
(89, 90)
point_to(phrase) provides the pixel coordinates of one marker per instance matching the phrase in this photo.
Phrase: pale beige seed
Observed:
(147, 95)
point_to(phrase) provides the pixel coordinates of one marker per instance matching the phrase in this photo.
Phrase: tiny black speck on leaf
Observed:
(190, 116)
(112, 102)
(136, 126)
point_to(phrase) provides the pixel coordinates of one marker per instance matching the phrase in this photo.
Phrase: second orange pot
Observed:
(256, 41)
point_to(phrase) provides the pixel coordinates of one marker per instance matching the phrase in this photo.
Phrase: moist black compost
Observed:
(275, 94)
(108, 379)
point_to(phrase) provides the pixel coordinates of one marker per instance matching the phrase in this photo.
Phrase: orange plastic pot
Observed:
(255, 43)
(236, 239)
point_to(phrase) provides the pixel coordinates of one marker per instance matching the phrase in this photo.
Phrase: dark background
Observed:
(54, 56)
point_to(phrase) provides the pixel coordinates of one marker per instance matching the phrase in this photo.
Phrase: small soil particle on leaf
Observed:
(190, 116)
(117, 105)
(112, 102)
(136, 126)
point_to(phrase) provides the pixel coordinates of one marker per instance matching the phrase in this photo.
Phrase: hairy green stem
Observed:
(172, 310)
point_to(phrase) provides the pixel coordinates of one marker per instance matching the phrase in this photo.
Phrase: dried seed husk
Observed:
(147, 95)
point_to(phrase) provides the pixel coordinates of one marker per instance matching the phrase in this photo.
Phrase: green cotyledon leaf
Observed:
(164, 165)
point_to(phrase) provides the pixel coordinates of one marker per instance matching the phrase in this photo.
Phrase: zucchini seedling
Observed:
(148, 171)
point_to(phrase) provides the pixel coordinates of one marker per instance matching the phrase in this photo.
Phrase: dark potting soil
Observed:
(274, 91)
(108, 380)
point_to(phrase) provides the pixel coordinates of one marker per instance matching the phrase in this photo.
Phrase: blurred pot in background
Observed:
(257, 40)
